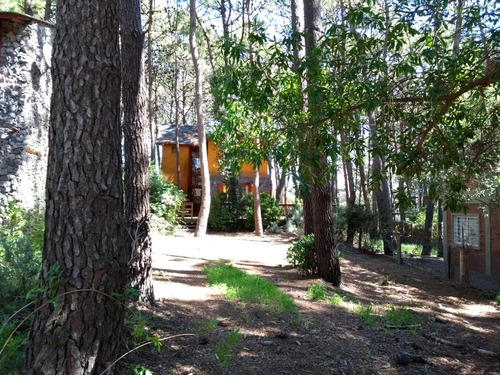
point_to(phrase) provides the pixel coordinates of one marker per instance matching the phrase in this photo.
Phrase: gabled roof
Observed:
(188, 134)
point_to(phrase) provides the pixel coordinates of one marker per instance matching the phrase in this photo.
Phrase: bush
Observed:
(270, 210)
(21, 238)
(295, 220)
(165, 200)
(221, 218)
(301, 255)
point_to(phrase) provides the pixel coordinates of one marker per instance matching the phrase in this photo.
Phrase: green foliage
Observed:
(221, 216)
(317, 291)
(165, 200)
(295, 220)
(21, 237)
(226, 349)
(301, 255)
(205, 328)
(401, 317)
(239, 285)
(366, 314)
(356, 217)
(270, 210)
(493, 295)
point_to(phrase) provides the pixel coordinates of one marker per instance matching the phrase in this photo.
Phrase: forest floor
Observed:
(459, 332)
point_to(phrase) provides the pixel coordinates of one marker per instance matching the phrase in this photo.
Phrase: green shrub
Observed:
(295, 220)
(222, 216)
(366, 314)
(317, 291)
(270, 210)
(165, 200)
(401, 317)
(21, 237)
(301, 255)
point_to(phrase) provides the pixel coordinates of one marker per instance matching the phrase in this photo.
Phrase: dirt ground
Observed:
(457, 326)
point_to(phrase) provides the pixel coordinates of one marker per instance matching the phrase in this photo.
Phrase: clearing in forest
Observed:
(385, 319)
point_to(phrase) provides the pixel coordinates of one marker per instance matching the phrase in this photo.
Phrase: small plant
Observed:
(401, 317)
(493, 295)
(226, 349)
(301, 255)
(317, 291)
(335, 299)
(366, 314)
(248, 288)
(165, 200)
(205, 328)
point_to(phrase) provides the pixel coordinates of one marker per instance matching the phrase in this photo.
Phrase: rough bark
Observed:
(324, 235)
(152, 125)
(201, 224)
(135, 128)
(429, 215)
(84, 225)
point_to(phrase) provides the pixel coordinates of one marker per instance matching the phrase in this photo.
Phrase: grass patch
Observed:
(319, 292)
(401, 317)
(366, 313)
(242, 286)
(415, 250)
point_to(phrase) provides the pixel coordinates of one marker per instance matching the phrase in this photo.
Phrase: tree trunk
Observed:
(135, 128)
(201, 224)
(28, 7)
(324, 235)
(440, 249)
(152, 125)
(48, 10)
(382, 196)
(350, 192)
(259, 230)
(84, 261)
(280, 189)
(429, 215)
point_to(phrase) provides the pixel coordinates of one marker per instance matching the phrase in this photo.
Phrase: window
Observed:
(466, 229)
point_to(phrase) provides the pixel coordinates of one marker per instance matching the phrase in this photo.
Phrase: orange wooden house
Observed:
(189, 162)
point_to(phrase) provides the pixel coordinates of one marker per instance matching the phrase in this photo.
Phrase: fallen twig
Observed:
(458, 345)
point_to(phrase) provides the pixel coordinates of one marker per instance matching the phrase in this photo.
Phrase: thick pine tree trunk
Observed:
(201, 224)
(135, 128)
(84, 226)
(440, 248)
(324, 234)
(429, 215)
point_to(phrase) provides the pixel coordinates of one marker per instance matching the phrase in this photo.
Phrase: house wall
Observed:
(246, 169)
(25, 90)
(169, 165)
(495, 241)
(483, 264)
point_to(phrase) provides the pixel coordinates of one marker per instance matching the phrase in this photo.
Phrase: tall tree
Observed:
(83, 259)
(136, 145)
(201, 225)
(324, 236)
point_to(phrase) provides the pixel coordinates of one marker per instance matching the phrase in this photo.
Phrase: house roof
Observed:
(188, 134)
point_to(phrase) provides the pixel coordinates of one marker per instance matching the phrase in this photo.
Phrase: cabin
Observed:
(189, 164)
(475, 232)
